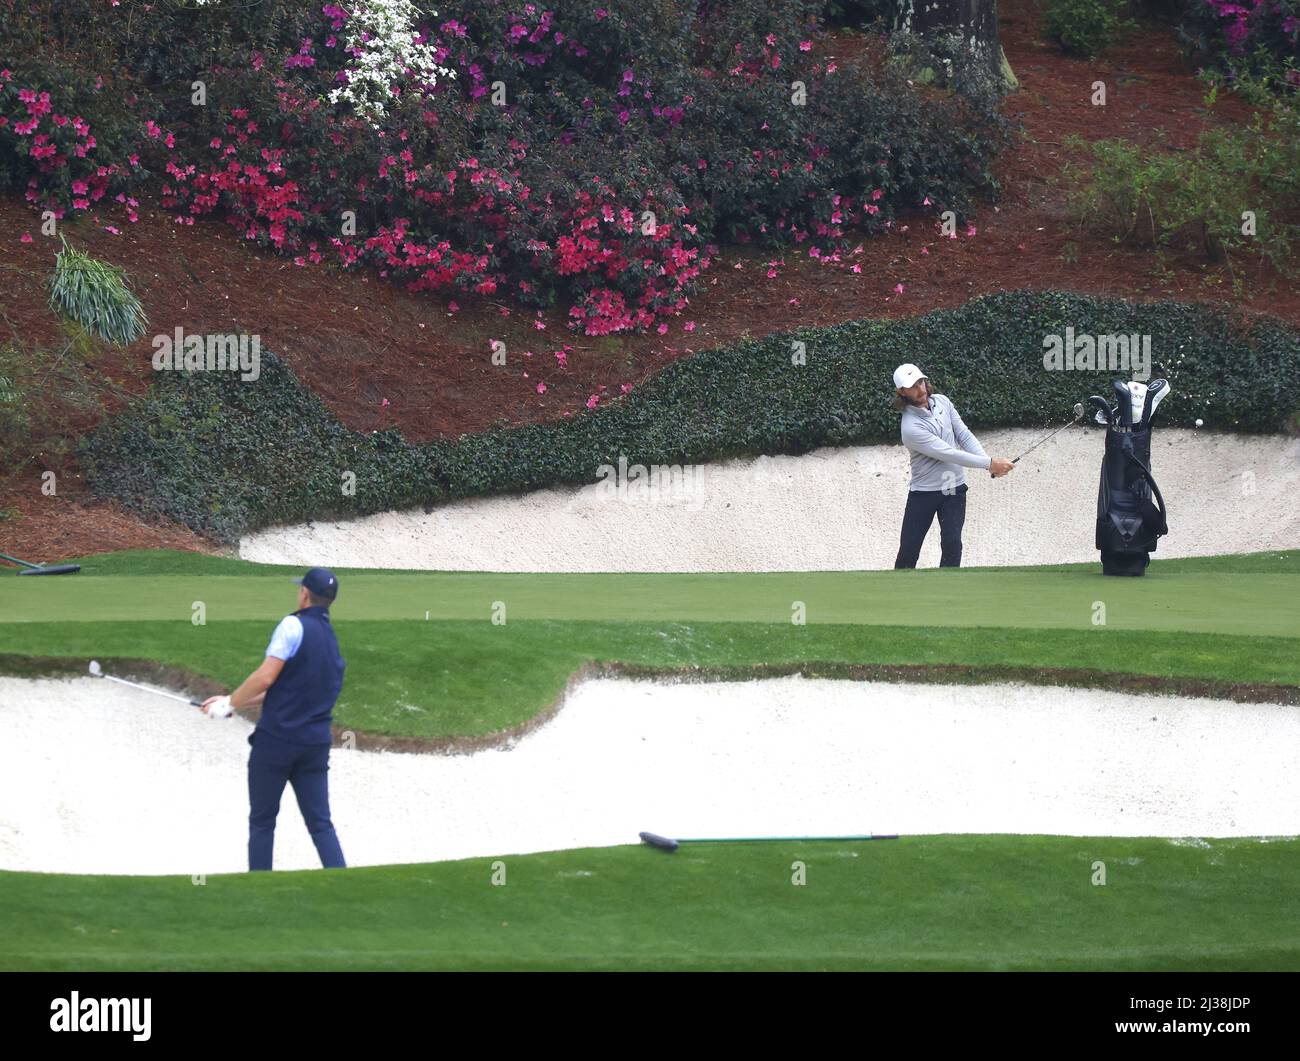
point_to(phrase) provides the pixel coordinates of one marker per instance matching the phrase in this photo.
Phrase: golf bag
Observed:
(1130, 508)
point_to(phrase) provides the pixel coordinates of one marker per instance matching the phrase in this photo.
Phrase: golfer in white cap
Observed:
(942, 448)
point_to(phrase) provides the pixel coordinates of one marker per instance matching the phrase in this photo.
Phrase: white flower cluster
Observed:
(381, 40)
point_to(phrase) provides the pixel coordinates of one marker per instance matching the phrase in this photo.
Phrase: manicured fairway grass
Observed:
(457, 673)
(940, 902)
(944, 902)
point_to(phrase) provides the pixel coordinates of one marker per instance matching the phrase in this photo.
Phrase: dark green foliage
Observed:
(1085, 27)
(225, 457)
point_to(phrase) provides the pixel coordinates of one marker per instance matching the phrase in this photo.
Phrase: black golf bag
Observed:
(1130, 508)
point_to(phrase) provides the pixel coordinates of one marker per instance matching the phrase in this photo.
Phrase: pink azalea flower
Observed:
(970, 230)
(591, 402)
(26, 238)
(541, 388)
(689, 326)
(856, 269)
(898, 288)
(926, 202)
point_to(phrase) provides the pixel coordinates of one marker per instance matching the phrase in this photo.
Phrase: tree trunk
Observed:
(975, 20)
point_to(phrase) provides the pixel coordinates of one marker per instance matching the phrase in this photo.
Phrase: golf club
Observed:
(96, 671)
(1104, 413)
(1078, 415)
(37, 569)
(664, 843)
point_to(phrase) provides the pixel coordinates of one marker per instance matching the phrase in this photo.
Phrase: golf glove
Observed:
(220, 707)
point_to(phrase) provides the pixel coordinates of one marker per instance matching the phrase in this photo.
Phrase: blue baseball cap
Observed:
(320, 581)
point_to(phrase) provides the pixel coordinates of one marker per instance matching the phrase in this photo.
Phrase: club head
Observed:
(95, 670)
(1078, 410)
(1124, 400)
(1156, 391)
(1138, 392)
(1103, 410)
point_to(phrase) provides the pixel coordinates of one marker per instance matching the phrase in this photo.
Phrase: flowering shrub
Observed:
(1257, 37)
(589, 155)
(62, 144)
(381, 40)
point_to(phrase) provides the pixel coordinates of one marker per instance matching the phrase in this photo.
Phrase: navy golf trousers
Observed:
(271, 763)
(922, 506)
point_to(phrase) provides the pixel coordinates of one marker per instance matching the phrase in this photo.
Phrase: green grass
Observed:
(456, 673)
(939, 902)
(942, 902)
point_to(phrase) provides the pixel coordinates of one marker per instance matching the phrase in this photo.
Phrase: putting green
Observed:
(1178, 597)
(1226, 620)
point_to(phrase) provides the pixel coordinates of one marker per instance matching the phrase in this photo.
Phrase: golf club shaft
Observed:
(148, 689)
(1045, 438)
(782, 839)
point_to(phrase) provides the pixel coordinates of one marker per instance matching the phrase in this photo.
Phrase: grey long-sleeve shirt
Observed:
(942, 447)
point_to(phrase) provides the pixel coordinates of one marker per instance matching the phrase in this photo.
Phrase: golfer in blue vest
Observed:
(296, 686)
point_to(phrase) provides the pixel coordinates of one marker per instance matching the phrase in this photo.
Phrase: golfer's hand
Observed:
(999, 467)
(217, 706)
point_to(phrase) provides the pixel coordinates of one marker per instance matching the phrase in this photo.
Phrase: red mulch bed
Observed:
(361, 342)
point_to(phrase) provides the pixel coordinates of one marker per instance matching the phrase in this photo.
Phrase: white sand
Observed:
(100, 778)
(834, 509)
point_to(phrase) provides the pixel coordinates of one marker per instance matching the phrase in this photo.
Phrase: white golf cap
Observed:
(907, 375)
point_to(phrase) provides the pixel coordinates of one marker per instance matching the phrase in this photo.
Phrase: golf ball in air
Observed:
(1200, 423)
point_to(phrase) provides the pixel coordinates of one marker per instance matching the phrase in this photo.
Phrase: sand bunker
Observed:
(103, 779)
(834, 509)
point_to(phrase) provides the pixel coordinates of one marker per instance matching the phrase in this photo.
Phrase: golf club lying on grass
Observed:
(664, 843)
(96, 671)
(1078, 415)
(37, 569)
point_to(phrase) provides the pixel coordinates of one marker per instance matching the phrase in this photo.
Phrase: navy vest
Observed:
(297, 707)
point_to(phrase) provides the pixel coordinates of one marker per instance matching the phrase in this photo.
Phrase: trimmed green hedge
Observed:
(226, 457)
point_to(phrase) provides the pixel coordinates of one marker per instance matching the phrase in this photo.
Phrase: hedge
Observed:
(225, 457)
